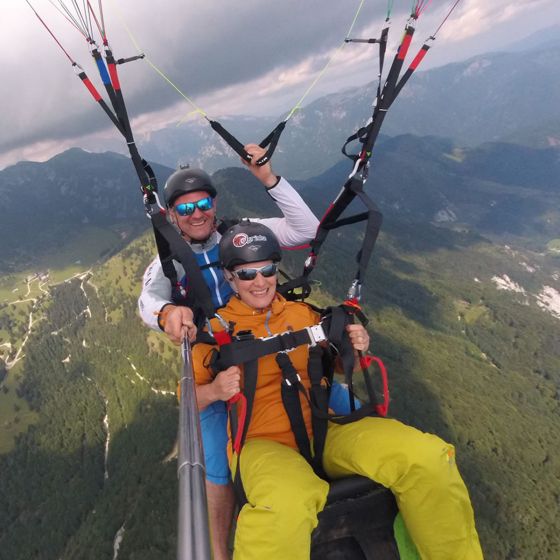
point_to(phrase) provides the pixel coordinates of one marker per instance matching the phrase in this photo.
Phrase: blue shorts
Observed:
(213, 423)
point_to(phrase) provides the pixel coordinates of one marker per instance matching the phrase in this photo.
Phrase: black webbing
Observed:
(271, 141)
(250, 374)
(320, 368)
(382, 51)
(230, 140)
(406, 76)
(373, 226)
(174, 246)
(290, 388)
(106, 79)
(240, 351)
(336, 334)
(367, 135)
(86, 81)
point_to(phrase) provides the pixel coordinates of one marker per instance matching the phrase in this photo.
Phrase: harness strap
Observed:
(290, 389)
(250, 371)
(320, 368)
(172, 246)
(336, 334)
(243, 349)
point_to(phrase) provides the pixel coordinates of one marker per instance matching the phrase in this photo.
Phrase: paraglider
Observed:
(171, 246)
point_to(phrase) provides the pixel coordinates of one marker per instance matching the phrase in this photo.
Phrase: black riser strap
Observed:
(348, 221)
(271, 141)
(230, 140)
(181, 252)
(373, 226)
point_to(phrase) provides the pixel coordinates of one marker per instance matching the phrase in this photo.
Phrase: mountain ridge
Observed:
(454, 312)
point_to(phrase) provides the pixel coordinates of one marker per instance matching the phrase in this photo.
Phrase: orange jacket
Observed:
(269, 419)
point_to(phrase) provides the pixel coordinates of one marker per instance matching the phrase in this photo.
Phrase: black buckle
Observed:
(244, 335)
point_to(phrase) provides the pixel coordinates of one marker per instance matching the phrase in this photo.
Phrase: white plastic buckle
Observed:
(316, 334)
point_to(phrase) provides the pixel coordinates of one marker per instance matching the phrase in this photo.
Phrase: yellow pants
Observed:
(284, 494)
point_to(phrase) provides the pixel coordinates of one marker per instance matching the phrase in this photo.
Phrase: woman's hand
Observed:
(227, 383)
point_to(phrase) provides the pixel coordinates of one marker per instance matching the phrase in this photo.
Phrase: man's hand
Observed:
(263, 173)
(358, 337)
(177, 322)
(227, 383)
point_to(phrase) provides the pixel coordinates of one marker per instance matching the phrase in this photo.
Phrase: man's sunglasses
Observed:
(188, 208)
(267, 271)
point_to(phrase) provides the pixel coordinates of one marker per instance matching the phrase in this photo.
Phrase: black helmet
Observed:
(248, 242)
(187, 180)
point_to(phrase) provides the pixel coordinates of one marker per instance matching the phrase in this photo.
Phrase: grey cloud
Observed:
(202, 46)
(201, 49)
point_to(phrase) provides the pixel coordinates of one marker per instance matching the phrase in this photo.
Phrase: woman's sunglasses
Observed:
(267, 271)
(188, 208)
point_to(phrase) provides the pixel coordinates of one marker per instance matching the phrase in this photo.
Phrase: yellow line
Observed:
(197, 109)
(297, 106)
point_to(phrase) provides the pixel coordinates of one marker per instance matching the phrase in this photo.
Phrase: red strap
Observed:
(222, 337)
(352, 302)
(241, 417)
(365, 362)
(114, 76)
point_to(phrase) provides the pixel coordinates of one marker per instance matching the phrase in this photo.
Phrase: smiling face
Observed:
(199, 226)
(257, 293)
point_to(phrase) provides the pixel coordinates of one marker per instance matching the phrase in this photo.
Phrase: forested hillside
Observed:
(467, 325)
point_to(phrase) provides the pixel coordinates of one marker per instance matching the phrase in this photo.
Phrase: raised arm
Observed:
(299, 224)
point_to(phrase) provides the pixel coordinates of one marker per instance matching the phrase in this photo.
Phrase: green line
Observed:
(389, 8)
(197, 109)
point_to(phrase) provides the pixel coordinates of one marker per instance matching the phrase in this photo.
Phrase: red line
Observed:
(326, 213)
(99, 28)
(446, 18)
(51, 33)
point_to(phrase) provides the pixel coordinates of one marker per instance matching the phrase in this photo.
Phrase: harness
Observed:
(244, 348)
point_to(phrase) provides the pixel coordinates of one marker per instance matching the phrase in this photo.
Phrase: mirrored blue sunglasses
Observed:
(267, 271)
(188, 208)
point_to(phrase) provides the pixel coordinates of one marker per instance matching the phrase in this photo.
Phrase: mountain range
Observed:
(506, 96)
(463, 294)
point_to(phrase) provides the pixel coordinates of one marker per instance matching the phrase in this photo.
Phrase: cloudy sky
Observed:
(256, 57)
